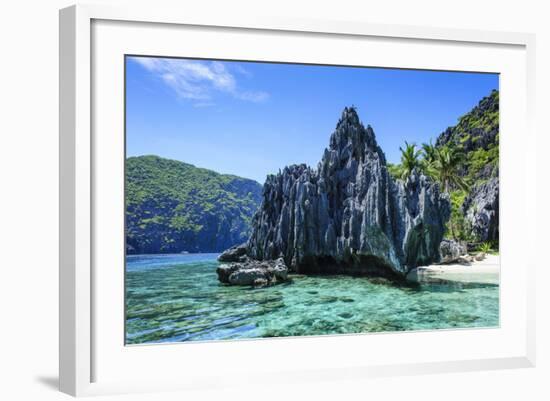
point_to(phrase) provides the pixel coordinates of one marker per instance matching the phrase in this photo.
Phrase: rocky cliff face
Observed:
(481, 210)
(478, 129)
(348, 215)
(477, 135)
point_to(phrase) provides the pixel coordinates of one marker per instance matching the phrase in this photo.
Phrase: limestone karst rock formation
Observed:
(476, 135)
(481, 210)
(349, 215)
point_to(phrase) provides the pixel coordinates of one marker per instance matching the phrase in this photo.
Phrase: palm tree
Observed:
(430, 152)
(409, 159)
(446, 164)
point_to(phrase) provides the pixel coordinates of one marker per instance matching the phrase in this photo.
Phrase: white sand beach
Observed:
(486, 270)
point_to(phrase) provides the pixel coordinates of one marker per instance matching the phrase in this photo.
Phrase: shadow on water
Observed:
(427, 283)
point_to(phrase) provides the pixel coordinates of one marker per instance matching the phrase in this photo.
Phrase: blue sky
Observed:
(250, 119)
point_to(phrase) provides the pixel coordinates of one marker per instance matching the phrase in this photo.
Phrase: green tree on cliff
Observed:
(410, 160)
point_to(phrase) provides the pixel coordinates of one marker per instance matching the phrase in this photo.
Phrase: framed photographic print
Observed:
(284, 199)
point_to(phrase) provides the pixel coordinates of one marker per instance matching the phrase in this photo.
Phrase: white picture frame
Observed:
(83, 344)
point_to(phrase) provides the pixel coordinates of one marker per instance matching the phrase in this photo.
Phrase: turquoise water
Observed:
(172, 298)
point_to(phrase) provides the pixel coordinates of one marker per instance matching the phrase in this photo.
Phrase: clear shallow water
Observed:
(172, 298)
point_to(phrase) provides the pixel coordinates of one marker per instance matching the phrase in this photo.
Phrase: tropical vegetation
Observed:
(463, 158)
(174, 207)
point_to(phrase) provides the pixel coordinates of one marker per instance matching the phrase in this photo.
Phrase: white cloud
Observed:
(256, 97)
(241, 70)
(198, 80)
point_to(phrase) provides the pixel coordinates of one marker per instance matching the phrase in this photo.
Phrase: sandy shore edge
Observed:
(488, 266)
(491, 264)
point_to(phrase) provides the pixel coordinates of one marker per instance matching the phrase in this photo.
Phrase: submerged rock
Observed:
(348, 215)
(451, 250)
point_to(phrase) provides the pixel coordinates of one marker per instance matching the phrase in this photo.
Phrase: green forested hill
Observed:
(477, 136)
(173, 207)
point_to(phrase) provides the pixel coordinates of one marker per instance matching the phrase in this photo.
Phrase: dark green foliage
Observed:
(483, 163)
(446, 168)
(457, 226)
(477, 136)
(410, 160)
(477, 129)
(173, 207)
(395, 170)
(485, 247)
(429, 153)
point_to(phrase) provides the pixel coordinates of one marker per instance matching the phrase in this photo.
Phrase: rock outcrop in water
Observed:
(247, 271)
(234, 254)
(348, 215)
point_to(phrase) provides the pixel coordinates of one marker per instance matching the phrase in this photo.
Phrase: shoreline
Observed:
(484, 270)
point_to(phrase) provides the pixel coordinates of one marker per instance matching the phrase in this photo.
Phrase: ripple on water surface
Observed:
(178, 298)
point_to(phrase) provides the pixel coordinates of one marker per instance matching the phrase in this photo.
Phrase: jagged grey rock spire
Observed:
(349, 215)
